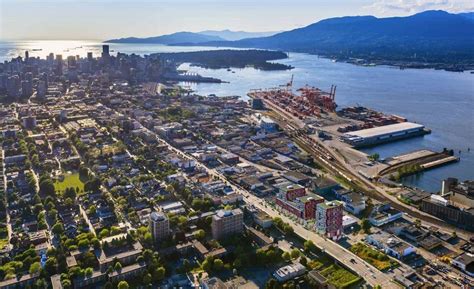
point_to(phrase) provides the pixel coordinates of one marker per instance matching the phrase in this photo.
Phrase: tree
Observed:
(88, 259)
(92, 185)
(57, 229)
(66, 283)
(82, 244)
(104, 233)
(118, 267)
(148, 238)
(186, 265)
(237, 263)
(92, 210)
(286, 256)
(207, 265)
(218, 264)
(147, 279)
(365, 224)
(115, 230)
(374, 157)
(47, 187)
(53, 214)
(70, 193)
(271, 284)
(41, 283)
(418, 223)
(123, 285)
(309, 246)
(69, 202)
(200, 234)
(35, 268)
(88, 271)
(95, 243)
(159, 274)
(51, 265)
(83, 172)
(303, 261)
(295, 253)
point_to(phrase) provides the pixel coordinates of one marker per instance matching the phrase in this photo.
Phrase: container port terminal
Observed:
(331, 152)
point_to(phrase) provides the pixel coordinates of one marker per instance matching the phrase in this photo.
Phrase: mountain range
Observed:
(431, 36)
(193, 37)
(178, 37)
(236, 35)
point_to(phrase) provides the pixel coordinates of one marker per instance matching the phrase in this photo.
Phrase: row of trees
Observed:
(280, 224)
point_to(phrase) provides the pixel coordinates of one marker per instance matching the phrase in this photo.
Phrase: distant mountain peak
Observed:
(232, 35)
(168, 39)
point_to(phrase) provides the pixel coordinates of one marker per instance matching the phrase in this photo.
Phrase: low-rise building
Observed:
(290, 191)
(289, 272)
(268, 125)
(464, 262)
(319, 281)
(384, 214)
(444, 209)
(353, 202)
(262, 219)
(303, 207)
(127, 272)
(390, 245)
(18, 282)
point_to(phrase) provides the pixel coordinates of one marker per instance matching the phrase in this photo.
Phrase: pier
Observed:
(425, 159)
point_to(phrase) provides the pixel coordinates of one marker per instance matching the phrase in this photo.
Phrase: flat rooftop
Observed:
(386, 129)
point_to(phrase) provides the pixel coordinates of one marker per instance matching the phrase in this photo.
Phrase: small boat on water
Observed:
(36, 49)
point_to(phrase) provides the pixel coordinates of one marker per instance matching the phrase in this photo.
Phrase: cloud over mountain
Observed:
(387, 7)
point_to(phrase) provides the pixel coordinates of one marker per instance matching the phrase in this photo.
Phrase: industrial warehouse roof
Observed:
(386, 129)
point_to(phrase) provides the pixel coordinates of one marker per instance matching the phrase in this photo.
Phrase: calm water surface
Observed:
(442, 101)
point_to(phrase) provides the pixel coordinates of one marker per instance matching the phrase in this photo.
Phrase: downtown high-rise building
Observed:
(13, 87)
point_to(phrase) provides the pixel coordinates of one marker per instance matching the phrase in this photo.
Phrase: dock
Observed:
(425, 159)
(440, 162)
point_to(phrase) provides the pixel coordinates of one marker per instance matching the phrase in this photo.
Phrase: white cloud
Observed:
(397, 7)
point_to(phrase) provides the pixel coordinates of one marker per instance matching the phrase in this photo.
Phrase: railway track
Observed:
(330, 162)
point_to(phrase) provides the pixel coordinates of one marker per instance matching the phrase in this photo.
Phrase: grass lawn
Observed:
(69, 181)
(378, 259)
(339, 277)
(320, 262)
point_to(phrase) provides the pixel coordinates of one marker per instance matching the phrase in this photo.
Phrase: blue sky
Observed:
(105, 19)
